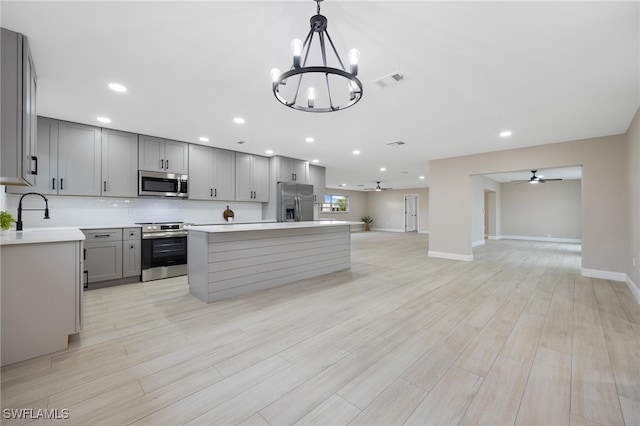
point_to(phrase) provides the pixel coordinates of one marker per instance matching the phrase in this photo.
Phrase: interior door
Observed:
(410, 213)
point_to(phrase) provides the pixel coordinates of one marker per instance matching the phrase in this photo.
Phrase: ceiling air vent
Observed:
(389, 80)
(397, 143)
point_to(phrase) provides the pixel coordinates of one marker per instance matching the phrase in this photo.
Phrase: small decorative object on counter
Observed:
(367, 222)
(228, 215)
(6, 221)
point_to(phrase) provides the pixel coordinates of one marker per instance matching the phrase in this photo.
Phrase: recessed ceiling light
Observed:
(343, 184)
(356, 152)
(204, 139)
(315, 161)
(310, 139)
(383, 169)
(505, 134)
(103, 119)
(116, 87)
(421, 177)
(241, 142)
(238, 120)
(269, 151)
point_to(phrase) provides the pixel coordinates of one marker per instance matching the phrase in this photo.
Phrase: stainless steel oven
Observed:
(161, 184)
(164, 250)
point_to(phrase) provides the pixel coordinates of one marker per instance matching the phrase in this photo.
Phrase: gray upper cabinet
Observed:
(252, 177)
(78, 159)
(224, 175)
(317, 178)
(119, 164)
(18, 84)
(69, 159)
(200, 172)
(291, 170)
(211, 173)
(163, 155)
(47, 153)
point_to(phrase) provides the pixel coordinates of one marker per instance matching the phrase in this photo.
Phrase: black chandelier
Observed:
(337, 88)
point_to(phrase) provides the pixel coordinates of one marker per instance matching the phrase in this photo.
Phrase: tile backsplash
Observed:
(82, 211)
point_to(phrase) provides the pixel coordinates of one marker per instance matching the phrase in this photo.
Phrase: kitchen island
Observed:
(41, 291)
(234, 259)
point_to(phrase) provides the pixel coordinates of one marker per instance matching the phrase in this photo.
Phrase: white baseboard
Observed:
(451, 256)
(387, 229)
(423, 232)
(545, 239)
(604, 275)
(635, 290)
(477, 243)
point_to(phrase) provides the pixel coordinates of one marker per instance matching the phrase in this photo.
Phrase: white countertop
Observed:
(268, 226)
(40, 235)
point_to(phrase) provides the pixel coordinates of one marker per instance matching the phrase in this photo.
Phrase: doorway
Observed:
(489, 214)
(411, 213)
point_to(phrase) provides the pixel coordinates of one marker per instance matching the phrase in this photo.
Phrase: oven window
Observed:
(166, 251)
(153, 184)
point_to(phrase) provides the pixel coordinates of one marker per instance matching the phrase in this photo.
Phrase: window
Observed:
(335, 203)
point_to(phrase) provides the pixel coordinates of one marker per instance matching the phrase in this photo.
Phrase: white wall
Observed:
(633, 194)
(357, 206)
(83, 211)
(544, 211)
(604, 197)
(385, 207)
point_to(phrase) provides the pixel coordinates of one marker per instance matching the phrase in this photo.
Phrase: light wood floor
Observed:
(515, 337)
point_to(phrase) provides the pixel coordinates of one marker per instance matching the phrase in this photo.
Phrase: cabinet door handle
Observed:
(35, 159)
(61, 183)
(292, 178)
(131, 246)
(215, 192)
(211, 192)
(84, 255)
(167, 164)
(53, 183)
(101, 235)
(104, 186)
(162, 164)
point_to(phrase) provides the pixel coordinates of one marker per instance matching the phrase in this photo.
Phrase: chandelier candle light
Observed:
(343, 89)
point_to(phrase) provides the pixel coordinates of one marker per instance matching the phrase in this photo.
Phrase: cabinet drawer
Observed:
(131, 234)
(97, 235)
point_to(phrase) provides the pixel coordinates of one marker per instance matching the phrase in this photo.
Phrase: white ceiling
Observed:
(548, 71)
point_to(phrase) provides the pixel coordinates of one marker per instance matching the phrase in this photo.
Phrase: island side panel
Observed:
(39, 298)
(244, 262)
(197, 267)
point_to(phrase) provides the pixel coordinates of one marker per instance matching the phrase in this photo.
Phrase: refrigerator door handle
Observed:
(297, 199)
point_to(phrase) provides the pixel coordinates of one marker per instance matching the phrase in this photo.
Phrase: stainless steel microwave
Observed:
(161, 184)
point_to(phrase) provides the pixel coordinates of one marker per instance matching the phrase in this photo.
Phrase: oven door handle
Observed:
(158, 235)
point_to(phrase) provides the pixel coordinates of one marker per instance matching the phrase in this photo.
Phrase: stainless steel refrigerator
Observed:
(295, 202)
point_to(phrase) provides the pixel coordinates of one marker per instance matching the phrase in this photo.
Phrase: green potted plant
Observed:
(6, 221)
(367, 222)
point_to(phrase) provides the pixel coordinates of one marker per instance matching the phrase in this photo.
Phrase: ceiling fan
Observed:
(534, 179)
(377, 188)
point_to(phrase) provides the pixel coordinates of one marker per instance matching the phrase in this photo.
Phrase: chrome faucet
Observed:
(46, 209)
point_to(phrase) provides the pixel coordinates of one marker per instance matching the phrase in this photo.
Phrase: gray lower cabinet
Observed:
(103, 254)
(131, 252)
